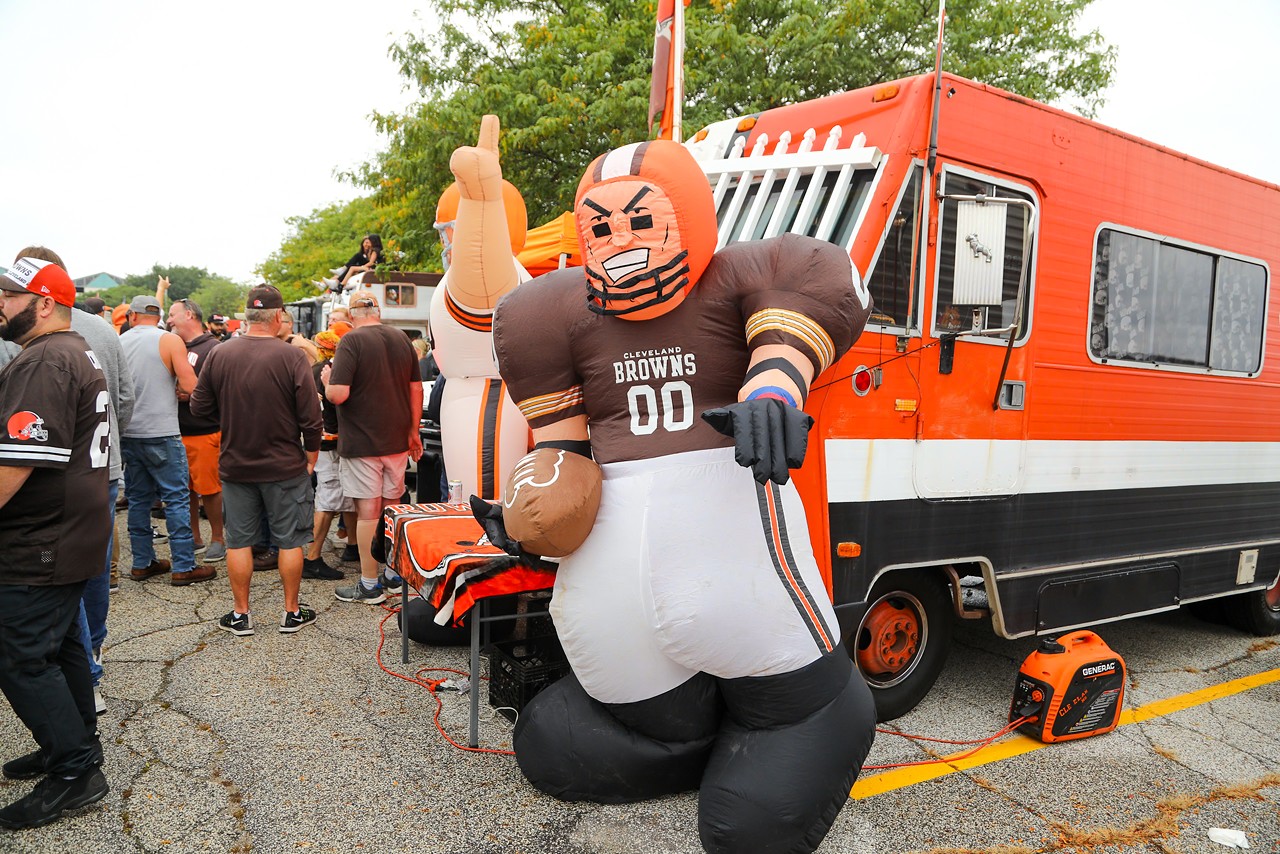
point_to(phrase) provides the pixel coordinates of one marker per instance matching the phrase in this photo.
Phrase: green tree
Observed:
(320, 241)
(217, 295)
(571, 80)
(182, 282)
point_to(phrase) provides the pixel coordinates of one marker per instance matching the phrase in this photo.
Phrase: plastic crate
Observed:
(519, 669)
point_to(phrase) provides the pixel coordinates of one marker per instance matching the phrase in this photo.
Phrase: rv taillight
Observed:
(885, 93)
(862, 380)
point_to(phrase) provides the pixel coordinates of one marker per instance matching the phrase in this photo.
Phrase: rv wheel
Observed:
(1258, 612)
(901, 642)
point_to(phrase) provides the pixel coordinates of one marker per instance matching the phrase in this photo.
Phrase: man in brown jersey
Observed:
(55, 435)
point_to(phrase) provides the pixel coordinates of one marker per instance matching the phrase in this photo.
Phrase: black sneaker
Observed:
(54, 797)
(319, 569)
(291, 623)
(25, 767)
(392, 584)
(240, 626)
(350, 554)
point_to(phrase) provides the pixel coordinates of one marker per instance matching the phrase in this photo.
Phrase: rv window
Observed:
(955, 313)
(1239, 310)
(893, 277)
(1160, 303)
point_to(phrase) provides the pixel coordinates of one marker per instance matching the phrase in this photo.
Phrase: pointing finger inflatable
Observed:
(481, 219)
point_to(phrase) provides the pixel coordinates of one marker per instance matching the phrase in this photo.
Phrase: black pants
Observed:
(44, 673)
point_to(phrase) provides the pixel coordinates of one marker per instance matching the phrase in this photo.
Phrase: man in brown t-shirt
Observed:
(261, 391)
(375, 383)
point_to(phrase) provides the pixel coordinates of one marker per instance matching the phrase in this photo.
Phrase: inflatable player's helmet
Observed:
(647, 224)
(447, 217)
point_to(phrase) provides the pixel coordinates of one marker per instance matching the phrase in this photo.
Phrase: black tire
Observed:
(910, 612)
(1257, 613)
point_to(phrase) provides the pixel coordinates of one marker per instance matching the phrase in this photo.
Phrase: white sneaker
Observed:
(99, 704)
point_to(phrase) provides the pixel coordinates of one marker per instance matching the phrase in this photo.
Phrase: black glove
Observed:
(490, 518)
(769, 436)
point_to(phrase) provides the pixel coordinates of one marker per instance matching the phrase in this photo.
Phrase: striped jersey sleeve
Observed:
(37, 422)
(532, 327)
(801, 292)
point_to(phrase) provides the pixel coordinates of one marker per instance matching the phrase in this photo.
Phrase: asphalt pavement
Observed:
(288, 743)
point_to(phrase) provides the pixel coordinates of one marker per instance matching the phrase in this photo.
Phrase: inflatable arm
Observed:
(481, 270)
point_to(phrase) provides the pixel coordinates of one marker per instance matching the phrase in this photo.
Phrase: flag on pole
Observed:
(666, 69)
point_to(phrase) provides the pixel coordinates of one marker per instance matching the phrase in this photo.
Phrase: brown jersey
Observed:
(643, 384)
(54, 419)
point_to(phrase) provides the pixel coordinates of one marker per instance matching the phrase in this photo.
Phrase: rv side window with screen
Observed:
(969, 295)
(1160, 303)
(893, 276)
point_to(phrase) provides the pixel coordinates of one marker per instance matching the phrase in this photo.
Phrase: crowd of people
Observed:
(267, 434)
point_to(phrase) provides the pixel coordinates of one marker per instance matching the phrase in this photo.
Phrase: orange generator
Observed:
(1071, 687)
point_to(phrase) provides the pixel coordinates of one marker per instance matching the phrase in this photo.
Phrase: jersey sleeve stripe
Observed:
(549, 404)
(797, 325)
(470, 319)
(38, 454)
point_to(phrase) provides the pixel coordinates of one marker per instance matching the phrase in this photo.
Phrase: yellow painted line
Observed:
(1019, 744)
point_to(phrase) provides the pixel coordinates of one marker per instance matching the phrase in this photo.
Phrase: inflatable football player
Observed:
(704, 649)
(481, 220)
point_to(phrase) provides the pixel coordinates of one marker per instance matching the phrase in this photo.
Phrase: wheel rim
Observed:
(893, 633)
(1272, 596)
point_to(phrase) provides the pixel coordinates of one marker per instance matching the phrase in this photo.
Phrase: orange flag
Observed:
(662, 86)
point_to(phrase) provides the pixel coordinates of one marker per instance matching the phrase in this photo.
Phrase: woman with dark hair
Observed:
(369, 256)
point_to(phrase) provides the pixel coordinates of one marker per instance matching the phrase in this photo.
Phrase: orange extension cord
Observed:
(981, 743)
(431, 685)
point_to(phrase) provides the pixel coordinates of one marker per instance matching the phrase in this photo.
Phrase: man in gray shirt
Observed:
(155, 459)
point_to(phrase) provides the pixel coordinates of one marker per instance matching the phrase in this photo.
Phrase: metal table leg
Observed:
(404, 620)
(476, 617)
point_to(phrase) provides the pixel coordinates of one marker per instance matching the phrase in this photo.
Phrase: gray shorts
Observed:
(287, 504)
(329, 497)
(374, 477)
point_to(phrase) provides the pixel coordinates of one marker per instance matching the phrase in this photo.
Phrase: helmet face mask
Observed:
(633, 254)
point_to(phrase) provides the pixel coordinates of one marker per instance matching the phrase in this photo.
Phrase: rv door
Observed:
(966, 448)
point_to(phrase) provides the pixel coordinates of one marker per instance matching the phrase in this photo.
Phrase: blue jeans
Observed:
(97, 593)
(157, 468)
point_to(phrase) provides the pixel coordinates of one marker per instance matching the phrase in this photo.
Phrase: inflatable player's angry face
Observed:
(647, 225)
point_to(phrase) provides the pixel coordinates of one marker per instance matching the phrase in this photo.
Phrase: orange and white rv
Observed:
(1066, 407)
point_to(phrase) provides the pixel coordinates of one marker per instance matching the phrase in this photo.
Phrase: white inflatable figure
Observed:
(482, 224)
(704, 648)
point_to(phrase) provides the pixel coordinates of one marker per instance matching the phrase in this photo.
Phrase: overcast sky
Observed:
(136, 133)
